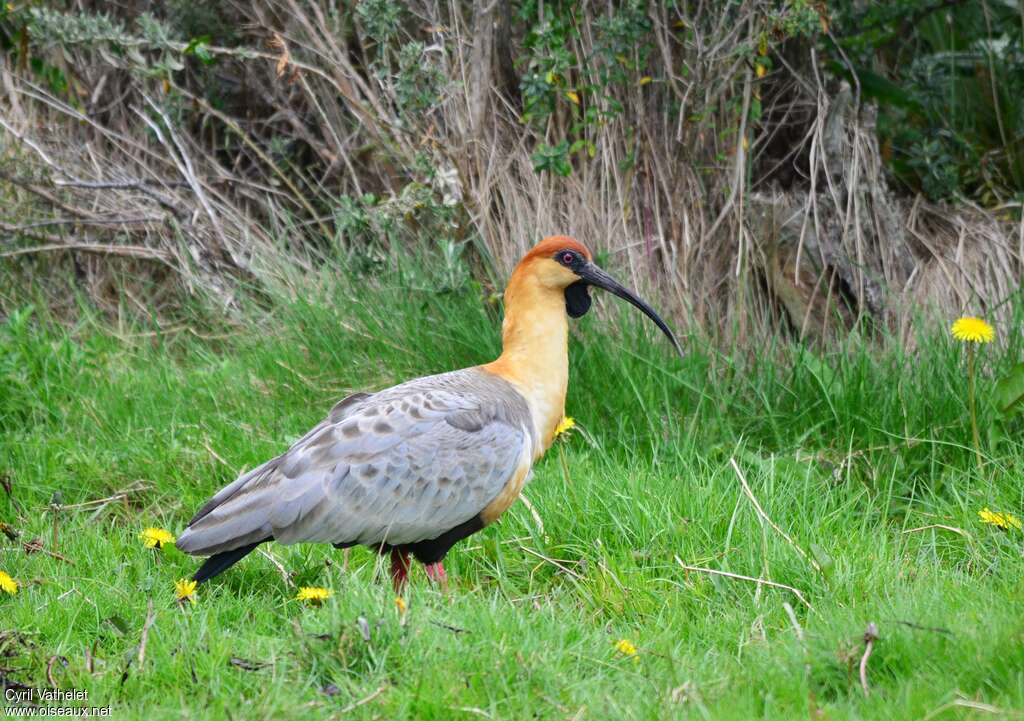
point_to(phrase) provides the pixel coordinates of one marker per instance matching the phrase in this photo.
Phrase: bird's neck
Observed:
(535, 351)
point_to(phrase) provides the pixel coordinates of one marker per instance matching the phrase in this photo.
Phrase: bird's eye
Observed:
(568, 258)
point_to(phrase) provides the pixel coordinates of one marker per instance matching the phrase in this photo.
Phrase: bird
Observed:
(413, 469)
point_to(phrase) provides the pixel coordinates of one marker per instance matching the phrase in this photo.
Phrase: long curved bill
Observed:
(593, 275)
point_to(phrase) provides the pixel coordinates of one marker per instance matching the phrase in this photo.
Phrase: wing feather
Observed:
(401, 466)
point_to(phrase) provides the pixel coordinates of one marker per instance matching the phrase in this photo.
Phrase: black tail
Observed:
(219, 562)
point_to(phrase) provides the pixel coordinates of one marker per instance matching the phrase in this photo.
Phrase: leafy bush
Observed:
(949, 83)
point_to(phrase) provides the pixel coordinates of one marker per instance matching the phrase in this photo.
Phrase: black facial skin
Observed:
(577, 297)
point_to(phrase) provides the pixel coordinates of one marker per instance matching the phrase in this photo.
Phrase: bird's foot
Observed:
(435, 572)
(399, 569)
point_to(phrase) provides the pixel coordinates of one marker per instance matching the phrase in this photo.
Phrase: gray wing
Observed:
(400, 466)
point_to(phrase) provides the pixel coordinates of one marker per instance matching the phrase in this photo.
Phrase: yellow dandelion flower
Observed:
(626, 648)
(400, 605)
(761, 70)
(156, 537)
(564, 426)
(185, 590)
(973, 330)
(1006, 521)
(573, 97)
(313, 595)
(8, 584)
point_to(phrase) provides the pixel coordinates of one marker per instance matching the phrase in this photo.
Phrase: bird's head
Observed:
(565, 264)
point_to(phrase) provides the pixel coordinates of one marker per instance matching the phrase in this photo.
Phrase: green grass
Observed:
(850, 453)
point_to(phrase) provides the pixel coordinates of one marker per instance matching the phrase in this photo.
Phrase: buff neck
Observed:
(535, 350)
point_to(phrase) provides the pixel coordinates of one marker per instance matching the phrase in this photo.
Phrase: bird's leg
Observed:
(435, 572)
(399, 568)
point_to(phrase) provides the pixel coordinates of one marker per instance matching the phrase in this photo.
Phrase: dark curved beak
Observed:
(593, 275)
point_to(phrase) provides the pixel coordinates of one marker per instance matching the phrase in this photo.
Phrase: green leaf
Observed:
(200, 48)
(552, 159)
(118, 625)
(1009, 392)
(196, 42)
(204, 55)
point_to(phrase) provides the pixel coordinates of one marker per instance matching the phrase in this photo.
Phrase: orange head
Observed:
(560, 263)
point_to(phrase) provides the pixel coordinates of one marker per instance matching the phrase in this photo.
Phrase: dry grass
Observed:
(740, 224)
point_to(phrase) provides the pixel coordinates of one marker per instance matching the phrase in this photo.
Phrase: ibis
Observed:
(413, 469)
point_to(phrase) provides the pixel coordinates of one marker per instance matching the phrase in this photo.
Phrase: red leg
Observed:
(435, 572)
(399, 568)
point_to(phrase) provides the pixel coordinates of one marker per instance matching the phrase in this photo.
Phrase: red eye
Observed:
(567, 258)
